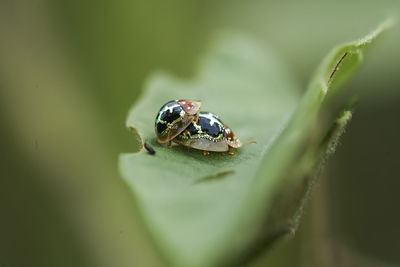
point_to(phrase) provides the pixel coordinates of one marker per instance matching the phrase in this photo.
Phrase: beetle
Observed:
(174, 117)
(208, 133)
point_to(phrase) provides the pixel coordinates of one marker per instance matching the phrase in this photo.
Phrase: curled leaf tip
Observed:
(385, 25)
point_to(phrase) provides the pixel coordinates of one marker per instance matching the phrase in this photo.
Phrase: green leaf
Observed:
(223, 209)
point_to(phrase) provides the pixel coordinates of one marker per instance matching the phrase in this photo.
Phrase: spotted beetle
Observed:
(174, 117)
(208, 133)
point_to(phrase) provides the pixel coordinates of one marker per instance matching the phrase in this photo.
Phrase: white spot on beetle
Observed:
(170, 108)
(212, 118)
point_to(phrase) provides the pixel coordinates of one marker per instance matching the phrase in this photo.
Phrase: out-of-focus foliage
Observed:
(69, 70)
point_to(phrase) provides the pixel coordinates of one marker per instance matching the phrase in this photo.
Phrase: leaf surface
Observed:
(219, 209)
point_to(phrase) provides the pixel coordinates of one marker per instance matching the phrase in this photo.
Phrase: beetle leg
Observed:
(206, 153)
(231, 152)
(169, 144)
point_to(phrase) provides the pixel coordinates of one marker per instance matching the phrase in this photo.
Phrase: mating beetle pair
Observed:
(182, 122)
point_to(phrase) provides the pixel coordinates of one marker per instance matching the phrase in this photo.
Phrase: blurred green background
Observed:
(69, 72)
